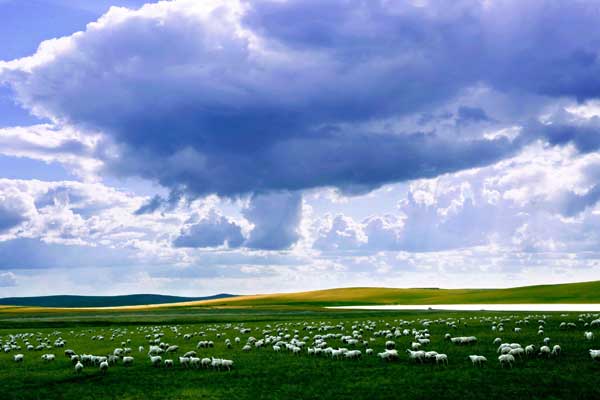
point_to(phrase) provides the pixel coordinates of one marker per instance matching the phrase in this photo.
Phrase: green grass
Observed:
(263, 374)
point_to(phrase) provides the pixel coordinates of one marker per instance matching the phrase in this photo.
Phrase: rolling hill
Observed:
(103, 301)
(584, 292)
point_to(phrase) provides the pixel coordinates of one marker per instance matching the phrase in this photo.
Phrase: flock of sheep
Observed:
(312, 338)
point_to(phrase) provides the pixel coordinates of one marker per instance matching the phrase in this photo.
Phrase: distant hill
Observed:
(103, 301)
(583, 292)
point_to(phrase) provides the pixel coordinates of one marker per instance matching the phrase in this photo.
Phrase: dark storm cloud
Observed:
(277, 96)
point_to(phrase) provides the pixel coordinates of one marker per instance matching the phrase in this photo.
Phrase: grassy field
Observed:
(584, 292)
(264, 374)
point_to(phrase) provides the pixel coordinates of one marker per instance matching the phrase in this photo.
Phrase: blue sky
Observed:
(241, 146)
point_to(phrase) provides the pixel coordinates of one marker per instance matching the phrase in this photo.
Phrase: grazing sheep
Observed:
(517, 352)
(103, 367)
(156, 360)
(205, 362)
(497, 341)
(415, 346)
(353, 354)
(369, 351)
(546, 341)
(141, 349)
(556, 350)
(506, 359)
(18, 357)
(416, 356)
(595, 354)
(190, 354)
(172, 349)
(184, 361)
(388, 355)
(530, 350)
(195, 362)
(277, 348)
(589, 335)
(168, 363)
(247, 348)
(48, 357)
(78, 367)
(441, 359)
(477, 361)
(227, 364)
(544, 351)
(127, 360)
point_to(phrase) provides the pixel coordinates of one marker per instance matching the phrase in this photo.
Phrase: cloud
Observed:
(237, 98)
(7, 279)
(213, 231)
(275, 217)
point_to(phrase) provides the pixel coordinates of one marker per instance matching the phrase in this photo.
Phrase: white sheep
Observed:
(417, 356)
(506, 359)
(104, 366)
(18, 357)
(441, 359)
(556, 350)
(477, 360)
(127, 360)
(156, 360)
(205, 362)
(544, 351)
(48, 357)
(595, 354)
(78, 367)
(589, 335)
(168, 363)
(529, 350)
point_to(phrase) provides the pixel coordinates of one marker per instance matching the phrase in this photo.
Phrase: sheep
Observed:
(546, 341)
(529, 350)
(417, 356)
(390, 345)
(589, 335)
(441, 359)
(595, 354)
(156, 360)
(190, 354)
(388, 355)
(415, 346)
(497, 341)
(103, 367)
(172, 349)
(556, 350)
(195, 362)
(544, 351)
(168, 363)
(18, 357)
(78, 367)
(247, 348)
(477, 360)
(353, 354)
(227, 364)
(48, 357)
(205, 362)
(278, 348)
(141, 349)
(506, 359)
(517, 352)
(369, 351)
(517, 330)
(69, 353)
(127, 360)
(74, 358)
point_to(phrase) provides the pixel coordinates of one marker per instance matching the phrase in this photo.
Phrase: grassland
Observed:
(264, 374)
(571, 293)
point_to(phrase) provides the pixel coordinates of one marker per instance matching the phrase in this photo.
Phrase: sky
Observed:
(196, 147)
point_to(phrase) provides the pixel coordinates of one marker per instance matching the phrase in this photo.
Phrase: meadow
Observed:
(262, 373)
